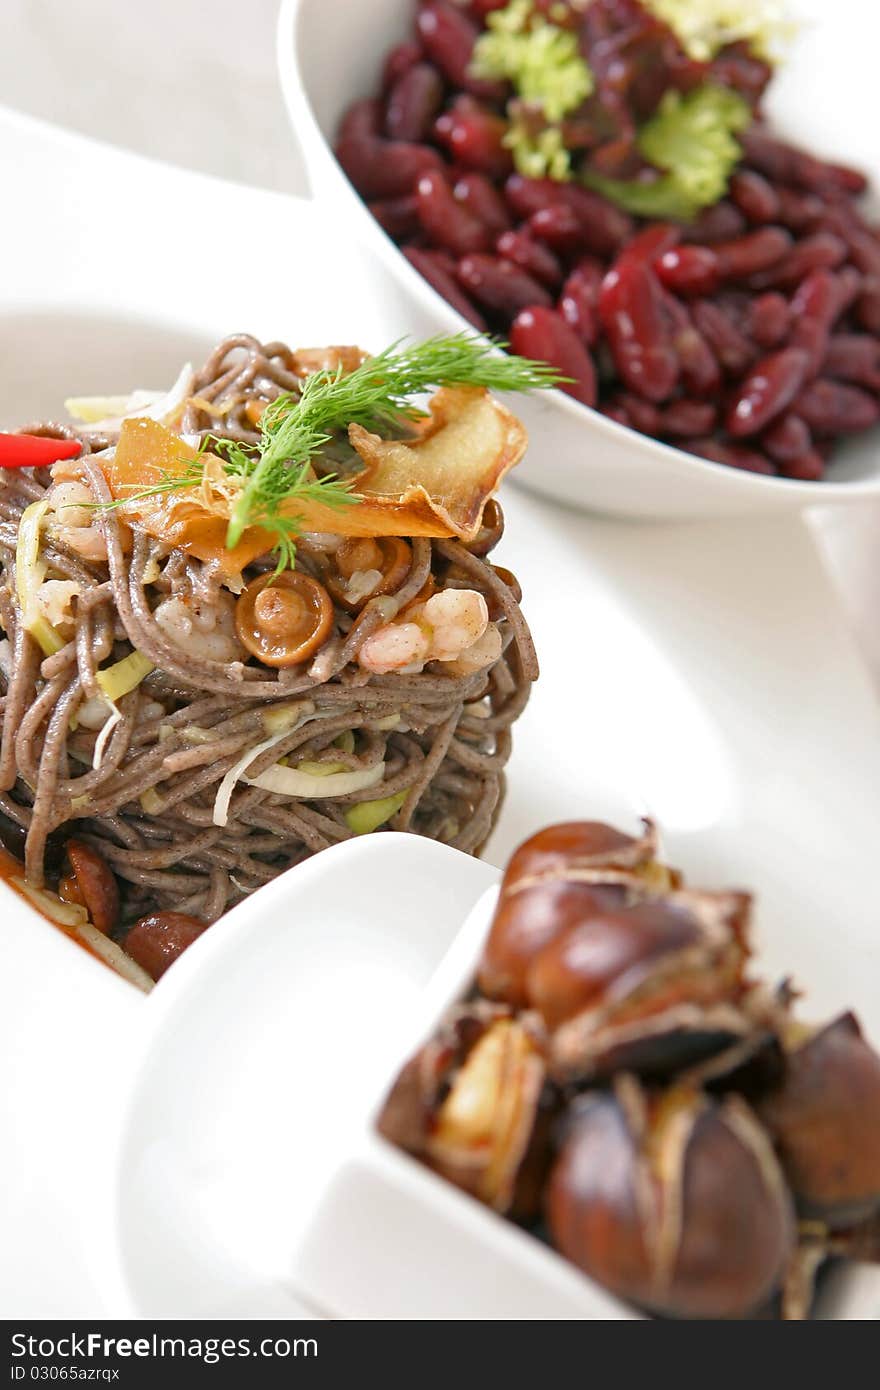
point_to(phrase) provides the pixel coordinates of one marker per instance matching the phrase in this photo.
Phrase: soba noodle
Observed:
(143, 792)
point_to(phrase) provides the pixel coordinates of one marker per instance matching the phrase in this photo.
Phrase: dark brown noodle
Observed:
(448, 754)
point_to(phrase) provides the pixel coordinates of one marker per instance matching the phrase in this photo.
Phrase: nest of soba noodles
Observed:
(164, 785)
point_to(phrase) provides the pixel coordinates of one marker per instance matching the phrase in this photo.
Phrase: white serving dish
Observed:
(330, 53)
(250, 1180)
(704, 674)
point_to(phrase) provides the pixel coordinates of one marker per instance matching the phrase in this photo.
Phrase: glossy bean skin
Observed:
(733, 455)
(532, 256)
(755, 197)
(604, 228)
(473, 137)
(478, 194)
(578, 303)
(700, 372)
(756, 251)
(500, 285)
(689, 270)
(446, 221)
(787, 439)
(798, 211)
(853, 357)
(723, 222)
(687, 418)
(770, 387)
(412, 104)
(380, 168)
(814, 309)
(769, 319)
(400, 59)
(783, 163)
(398, 216)
(806, 468)
(558, 226)
(640, 414)
(448, 37)
(631, 311)
(732, 349)
(821, 251)
(832, 407)
(543, 334)
(441, 276)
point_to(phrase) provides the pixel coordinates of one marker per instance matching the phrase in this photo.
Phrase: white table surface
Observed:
(166, 89)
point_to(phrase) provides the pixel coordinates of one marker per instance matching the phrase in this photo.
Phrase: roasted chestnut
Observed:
(674, 1201)
(554, 880)
(825, 1121)
(468, 1105)
(283, 619)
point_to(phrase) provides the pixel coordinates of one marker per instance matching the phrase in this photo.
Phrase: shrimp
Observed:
(205, 631)
(74, 506)
(448, 628)
(52, 601)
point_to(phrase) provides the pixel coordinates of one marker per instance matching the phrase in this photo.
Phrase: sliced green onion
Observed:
(30, 571)
(124, 675)
(367, 816)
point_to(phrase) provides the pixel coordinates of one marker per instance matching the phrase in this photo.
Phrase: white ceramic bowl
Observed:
(330, 53)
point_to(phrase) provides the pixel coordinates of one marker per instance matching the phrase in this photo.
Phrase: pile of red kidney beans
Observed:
(750, 336)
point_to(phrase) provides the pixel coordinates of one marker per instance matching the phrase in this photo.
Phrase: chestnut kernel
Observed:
(677, 1203)
(825, 1121)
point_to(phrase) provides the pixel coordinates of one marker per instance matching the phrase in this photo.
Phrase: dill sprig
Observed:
(381, 395)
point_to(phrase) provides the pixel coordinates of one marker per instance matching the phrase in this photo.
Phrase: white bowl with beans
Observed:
(331, 53)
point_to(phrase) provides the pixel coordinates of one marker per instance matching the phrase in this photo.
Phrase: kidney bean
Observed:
(687, 417)
(448, 37)
(431, 265)
(868, 305)
(734, 455)
(540, 333)
(480, 8)
(864, 250)
(640, 414)
(538, 260)
(813, 311)
(798, 211)
(379, 168)
(831, 407)
(754, 196)
(613, 411)
(768, 319)
(723, 222)
(483, 201)
(850, 285)
(604, 227)
(474, 137)
(413, 102)
(732, 349)
(853, 357)
(650, 244)
(770, 386)
(631, 307)
(806, 468)
(787, 438)
(157, 940)
(753, 252)
(400, 59)
(91, 883)
(821, 251)
(783, 163)
(689, 269)
(500, 285)
(525, 196)
(446, 221)
(577, 305)
(398, 216)
(559, 226)
(700, 373)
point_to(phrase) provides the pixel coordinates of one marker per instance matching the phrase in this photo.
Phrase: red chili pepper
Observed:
(33, 451)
